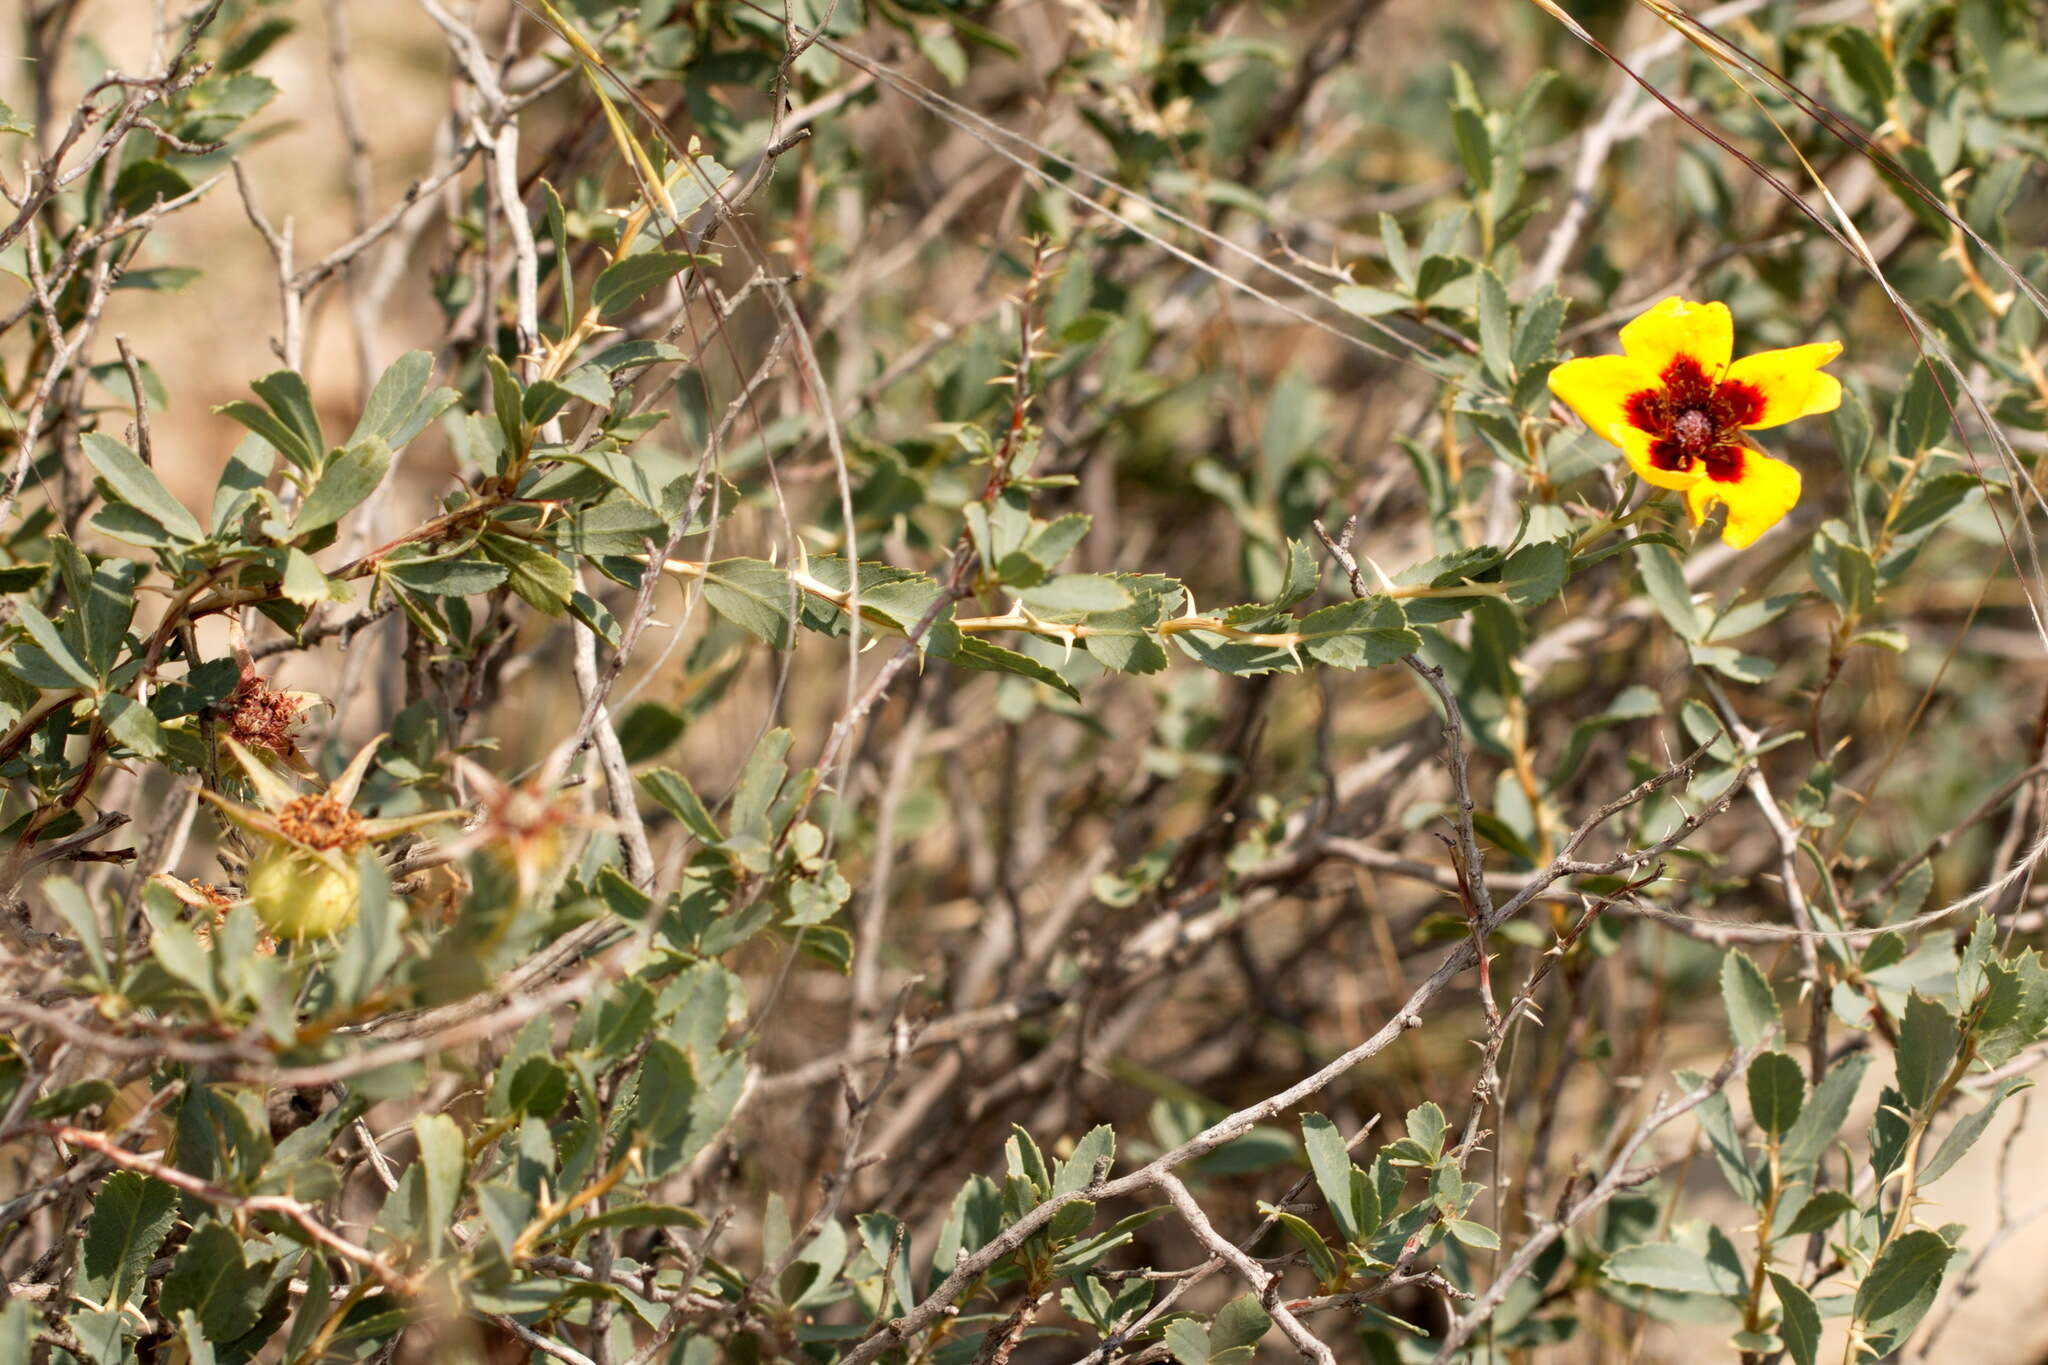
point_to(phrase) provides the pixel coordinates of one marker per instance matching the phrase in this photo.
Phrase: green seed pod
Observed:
(299, 895)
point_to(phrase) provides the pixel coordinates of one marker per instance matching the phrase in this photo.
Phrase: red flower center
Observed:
(1695, 418)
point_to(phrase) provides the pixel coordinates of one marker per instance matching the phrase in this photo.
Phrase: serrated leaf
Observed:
(1496, 334)
(676, 796)
(211, 1280)
(1746, 995)
(1927, 1045)
(1968, 1130)
(131, 1216)
(1364, 633)
(1902, 1282)
(973, 652)
(754, 595)
(541, 580)
(1825, 1112)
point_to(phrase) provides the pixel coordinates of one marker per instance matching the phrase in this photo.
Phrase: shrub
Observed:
(680, 803)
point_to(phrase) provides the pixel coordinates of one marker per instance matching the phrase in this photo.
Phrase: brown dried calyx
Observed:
(321, 822)
(263, 717)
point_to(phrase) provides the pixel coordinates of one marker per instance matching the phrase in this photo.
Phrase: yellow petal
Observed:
(1636, 445)
(1598, 387)
(1677, 327)
(1758, 498)
(1790, 382)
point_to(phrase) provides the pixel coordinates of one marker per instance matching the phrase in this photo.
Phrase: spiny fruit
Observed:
(300, 895)
(302, 880)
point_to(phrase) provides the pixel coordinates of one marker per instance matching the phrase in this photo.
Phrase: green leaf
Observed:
(101, 1334)
(131, 1216)
(211, 1280)
(1536, 573)
(1920, 418)
(633, 1216)
(1966, 1132)
(1077, 593)
(288, 423)
(142, 183)
(1927, 1045)
(443, 1158)
(314, 1307)
(1747, 997)
(447, 577)
(622, 283)
(246, 470)
(1336, 1177)
(1475, 146)
(1777, 1090)
(1365, 633)
(401, 405)
(508, 406)
(348, 479)
(1187, 1341)
(373, 943)
(1824, 1113)
(1427, 1127)
(133, 725)
(22, 577)
(673, 792)
(1478, 1236)
(1362, 300)
(1933, 499)
(1496, 335)
(1819, 1213)
(303, 583)
(1669, 1266)
(136, 484)
(1239, 1323)
(542, 581)
(51, 641)
(973, 652)
(1799, 1327)
(1329, 1270)
(1900, 1287)
(754, 595)
(1076, 1172)
(1664, 580)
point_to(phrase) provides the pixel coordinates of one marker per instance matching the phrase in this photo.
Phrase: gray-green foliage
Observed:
(614, 1063)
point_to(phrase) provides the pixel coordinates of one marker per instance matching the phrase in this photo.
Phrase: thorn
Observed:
(1379, 573)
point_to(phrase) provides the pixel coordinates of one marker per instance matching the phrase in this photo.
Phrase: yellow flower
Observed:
(303, 882)
(1677, 403)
